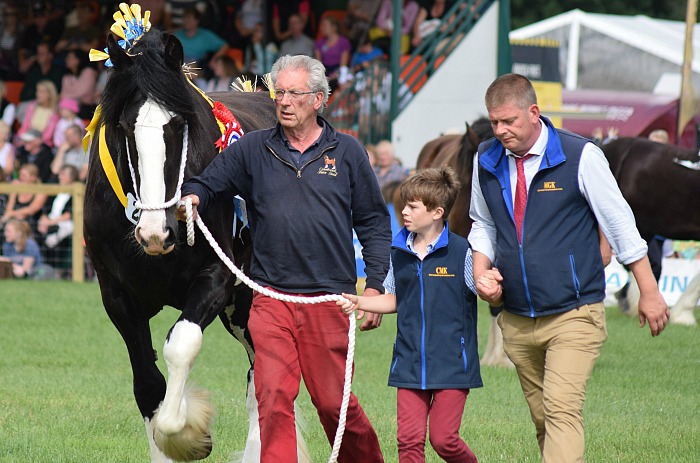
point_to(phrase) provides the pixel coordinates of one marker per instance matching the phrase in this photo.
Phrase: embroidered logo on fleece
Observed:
(549, 186)
(441, 272)
(328, 167)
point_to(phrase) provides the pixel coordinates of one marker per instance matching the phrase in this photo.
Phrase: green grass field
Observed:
(65, 389)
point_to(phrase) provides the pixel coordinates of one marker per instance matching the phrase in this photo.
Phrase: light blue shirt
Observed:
(390, 283)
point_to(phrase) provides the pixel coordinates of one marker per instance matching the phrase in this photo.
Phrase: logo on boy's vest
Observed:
(549, 186)
(441, 272)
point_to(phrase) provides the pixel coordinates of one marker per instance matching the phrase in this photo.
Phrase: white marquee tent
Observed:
(602, 51)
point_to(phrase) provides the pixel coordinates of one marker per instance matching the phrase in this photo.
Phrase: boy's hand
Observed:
(350, 304)
(488, 286)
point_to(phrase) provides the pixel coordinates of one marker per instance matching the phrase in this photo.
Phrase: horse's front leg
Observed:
(182, 423)
(149, 383)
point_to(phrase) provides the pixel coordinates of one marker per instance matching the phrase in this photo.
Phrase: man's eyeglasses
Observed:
(293, 94)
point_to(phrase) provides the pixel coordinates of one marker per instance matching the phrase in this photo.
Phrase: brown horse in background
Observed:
(456, 151)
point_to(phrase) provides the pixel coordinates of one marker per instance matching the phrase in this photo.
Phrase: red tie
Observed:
(520, 195)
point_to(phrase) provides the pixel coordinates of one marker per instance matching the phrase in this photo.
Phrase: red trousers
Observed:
(295, 340)
(444, 407)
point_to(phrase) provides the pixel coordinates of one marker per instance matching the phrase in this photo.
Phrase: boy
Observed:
(430, 287)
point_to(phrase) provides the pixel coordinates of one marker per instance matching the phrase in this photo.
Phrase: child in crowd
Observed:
(20, 249)
(71, 152)
(431, 288)
(68, 109)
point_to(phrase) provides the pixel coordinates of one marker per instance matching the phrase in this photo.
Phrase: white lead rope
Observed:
(286, 298)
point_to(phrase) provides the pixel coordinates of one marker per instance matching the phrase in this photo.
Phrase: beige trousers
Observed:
(554, 358)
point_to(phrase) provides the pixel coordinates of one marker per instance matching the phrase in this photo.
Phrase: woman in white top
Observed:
(7, 153)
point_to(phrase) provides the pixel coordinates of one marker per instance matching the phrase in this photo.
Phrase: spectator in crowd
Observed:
(85, 33)
(70, 152)
(384, 24)
(79, 82)
(56, 227)
(10, 36)
(249, 15)
(175, 10)
(25, 206)
(7, 153)
(366, 52)
(260, 53)
(553, 321)
(387, 167)
(8, 110)
(358, 19)
(41, 114)
(68, 111)
(435, 361)
(225, 73)
(41, 68)
(32, 150)
(43, 25)
(659, 136)
(199, 44)
(321, 198)
(20, 248)
(282, 10)
(298, 43)
(333, 50)
(157, 9)
(429, 19)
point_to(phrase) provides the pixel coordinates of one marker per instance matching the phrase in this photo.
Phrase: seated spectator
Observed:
(333, 50)
(260, 54)
(7, 153)
(250, 14)
(364, 55)
(56, 227)
(32, 150)
(85, 32)
(387, 167)
(79, 82)
(429, 19)
(358, 20)
(282, 10)
(9, 44)
(7, 110)
(384, 24)
(43, 25)
(225, 73)
(41, 68)
(70, 152)
(298, 43)
(175, 10)
(157, 9)
(25, 206)
(20, 248)
(41, 114)
(199, 44)
(68, 109)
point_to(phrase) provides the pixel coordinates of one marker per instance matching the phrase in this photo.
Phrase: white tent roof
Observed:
(658, 38)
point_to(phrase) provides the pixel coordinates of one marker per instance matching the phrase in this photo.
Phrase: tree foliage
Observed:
(524, 12)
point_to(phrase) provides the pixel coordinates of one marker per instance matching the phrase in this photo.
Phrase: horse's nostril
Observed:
(170, 236)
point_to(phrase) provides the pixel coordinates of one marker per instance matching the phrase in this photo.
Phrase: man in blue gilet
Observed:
(539, 197)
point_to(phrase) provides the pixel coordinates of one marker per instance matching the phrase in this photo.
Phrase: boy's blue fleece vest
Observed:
(558, 266)
(436, 344)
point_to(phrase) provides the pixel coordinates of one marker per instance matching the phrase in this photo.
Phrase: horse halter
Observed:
(181, 176)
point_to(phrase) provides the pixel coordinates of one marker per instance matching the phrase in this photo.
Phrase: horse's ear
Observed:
(117, 54)
(473, 136)
(174, 55)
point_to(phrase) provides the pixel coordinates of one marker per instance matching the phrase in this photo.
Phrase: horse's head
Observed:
(147, 110)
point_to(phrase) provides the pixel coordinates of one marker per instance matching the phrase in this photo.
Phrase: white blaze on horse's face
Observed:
(151, 230)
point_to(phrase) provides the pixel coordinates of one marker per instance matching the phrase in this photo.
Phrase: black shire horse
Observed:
(152, 121)
(661, 185)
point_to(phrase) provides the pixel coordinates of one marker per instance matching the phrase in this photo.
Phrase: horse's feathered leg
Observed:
(181, 424)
